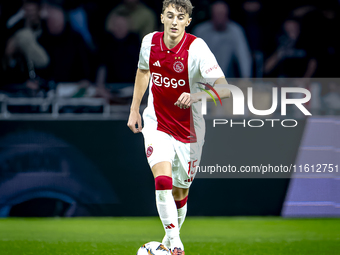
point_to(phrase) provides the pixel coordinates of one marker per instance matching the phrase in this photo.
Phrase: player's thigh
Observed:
(187, 157)
(162, 168)
(159, 151)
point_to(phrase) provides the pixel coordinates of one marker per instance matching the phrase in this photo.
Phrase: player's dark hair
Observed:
(179, 5)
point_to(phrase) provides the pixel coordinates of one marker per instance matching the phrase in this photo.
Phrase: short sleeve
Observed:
(208, 65)
(144, 54)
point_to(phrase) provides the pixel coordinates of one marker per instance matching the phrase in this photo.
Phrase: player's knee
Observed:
(163, 182)
(179, 193)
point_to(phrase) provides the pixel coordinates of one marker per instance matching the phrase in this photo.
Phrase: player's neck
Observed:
(171, 42)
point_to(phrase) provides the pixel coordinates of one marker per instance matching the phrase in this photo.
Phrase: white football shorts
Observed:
(184, 157)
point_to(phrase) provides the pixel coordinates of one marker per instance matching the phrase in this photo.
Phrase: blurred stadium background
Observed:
(66, 82)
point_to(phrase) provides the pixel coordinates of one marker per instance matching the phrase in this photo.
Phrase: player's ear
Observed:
(162, 18)
(188, 22)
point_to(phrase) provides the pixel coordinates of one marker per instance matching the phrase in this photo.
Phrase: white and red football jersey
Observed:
(174, 71)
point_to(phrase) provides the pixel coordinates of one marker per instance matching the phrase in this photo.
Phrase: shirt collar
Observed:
(175, 49)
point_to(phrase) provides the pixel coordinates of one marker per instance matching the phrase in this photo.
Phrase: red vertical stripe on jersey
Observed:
(169, 81)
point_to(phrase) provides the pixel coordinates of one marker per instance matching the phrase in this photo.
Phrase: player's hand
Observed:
(185, 100)
(134, 119)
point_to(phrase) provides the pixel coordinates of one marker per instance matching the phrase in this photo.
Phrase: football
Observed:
(153, 248)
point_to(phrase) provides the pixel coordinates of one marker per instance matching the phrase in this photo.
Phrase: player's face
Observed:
(174, 21)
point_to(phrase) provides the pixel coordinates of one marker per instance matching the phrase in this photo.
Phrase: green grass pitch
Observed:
(200, 235)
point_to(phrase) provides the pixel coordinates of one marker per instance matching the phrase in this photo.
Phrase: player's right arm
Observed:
(141, 84)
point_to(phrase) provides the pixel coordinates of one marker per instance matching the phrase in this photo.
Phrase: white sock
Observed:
(181, 212)
(168, 214)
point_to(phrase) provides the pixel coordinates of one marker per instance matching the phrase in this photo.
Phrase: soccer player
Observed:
(173, 63)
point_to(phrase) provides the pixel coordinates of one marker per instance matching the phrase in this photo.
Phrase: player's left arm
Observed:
(222, 91)
(187, 99)
(209, 70)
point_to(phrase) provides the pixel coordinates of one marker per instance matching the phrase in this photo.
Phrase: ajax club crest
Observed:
(149, 151)
(178, 66)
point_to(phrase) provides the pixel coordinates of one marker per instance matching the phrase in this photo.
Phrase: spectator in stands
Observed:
(141, 18)
(23, 55)
(227, 41)
(291, 58)
(26, 26)
(118, 55)
(18, 65)
(252, 23)
(27, 43)
(13, 66)
(252, 20)
(66, 48)
(79, 20)
(27, 17)
(319, 24)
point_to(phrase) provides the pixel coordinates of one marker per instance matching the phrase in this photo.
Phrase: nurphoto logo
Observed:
(239, 103)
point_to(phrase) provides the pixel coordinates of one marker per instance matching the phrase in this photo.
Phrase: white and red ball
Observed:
(153, 248)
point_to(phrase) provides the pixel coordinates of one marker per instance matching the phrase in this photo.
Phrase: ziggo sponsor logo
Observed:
(159, 80)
